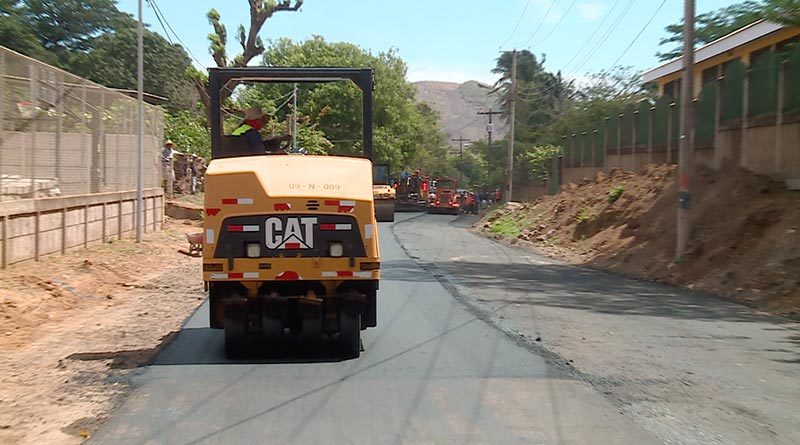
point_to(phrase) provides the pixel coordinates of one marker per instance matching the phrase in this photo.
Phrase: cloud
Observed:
(591, 11)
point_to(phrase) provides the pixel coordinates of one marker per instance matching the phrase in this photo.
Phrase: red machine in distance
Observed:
(446, 200)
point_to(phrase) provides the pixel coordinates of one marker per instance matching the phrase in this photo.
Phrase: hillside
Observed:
(745, 243)
(458, 105)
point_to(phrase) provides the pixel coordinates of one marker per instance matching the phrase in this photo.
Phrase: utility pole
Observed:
(294, 119)
(686, 148)
(513, 112)
(140, 144)
(460, 141)
(490, 127)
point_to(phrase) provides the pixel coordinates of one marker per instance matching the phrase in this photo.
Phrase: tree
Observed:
(250, 41)
(786, 12)
(712, 25)
(112, 62)
(402, 126)
(64, 27)
(17, 35)
(189, 133)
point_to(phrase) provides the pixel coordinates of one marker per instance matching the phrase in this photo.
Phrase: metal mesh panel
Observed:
(627, 126)
(792, 82)
(642, 124)
(62, 135)
(764, 84)
(705, 115)
(733, 90)
(660, 120)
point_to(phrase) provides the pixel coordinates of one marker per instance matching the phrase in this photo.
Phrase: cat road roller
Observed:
(383, 194)
(291, 252)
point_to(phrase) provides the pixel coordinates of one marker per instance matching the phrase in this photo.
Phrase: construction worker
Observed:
(249, 129)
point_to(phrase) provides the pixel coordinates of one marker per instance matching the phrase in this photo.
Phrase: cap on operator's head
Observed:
(254, 113)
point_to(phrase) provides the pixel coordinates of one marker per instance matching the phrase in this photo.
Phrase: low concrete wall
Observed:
(529, 192)
(32, 228)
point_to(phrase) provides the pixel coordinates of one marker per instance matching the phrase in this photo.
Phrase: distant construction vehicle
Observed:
(446, 200)
(291, 242)
(383, 194)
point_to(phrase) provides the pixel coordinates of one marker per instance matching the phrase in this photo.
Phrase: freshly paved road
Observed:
(689, 368)
(433, 372)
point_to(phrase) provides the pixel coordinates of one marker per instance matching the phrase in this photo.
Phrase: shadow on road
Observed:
(571, 287)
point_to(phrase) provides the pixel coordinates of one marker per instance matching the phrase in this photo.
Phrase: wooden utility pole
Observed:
(512, 112)
(460, 141)
(686, 148)
(489, 128)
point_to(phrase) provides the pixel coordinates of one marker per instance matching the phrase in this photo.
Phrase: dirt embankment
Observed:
(74, 328)
(745, 241)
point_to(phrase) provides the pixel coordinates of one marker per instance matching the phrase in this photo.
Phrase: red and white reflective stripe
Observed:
(288, 276)
(235, 276)
(231, 201)
(243, 228)
(282, 206)
(346, 273)
(344, 206)
(330, 227)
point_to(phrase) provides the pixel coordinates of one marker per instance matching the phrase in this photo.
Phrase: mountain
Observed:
(458, 105)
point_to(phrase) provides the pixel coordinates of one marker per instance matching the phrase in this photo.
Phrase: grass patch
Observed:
(505, 227)
(615, 193)
(584, 215)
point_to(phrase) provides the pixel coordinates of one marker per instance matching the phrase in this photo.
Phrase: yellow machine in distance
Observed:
(383, 194)
(291, 242)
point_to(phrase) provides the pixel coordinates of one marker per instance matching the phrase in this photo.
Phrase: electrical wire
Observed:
(544, 19)
(528, 3)
(157, 11)
(589, 40)
(604, 37)
(640, 32)
(166, 33)
(569, 8)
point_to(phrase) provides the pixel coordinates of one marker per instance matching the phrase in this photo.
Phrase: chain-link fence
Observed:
(63, 135)
(745, 114)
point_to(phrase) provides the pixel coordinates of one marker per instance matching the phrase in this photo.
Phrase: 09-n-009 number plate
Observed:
(289, 235)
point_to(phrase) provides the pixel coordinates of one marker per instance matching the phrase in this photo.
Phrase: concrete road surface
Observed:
(432, 372)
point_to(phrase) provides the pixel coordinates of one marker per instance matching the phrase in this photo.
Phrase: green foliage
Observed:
(402, 127)
(188, 132)
(712, 25)
(539, 159)
(584, 215)
(615, 194)
(783, 11)
(506, 227)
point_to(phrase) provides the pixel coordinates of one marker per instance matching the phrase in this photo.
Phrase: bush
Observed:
(615, 193)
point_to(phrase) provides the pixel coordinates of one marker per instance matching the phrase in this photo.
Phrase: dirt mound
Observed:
(745, 242)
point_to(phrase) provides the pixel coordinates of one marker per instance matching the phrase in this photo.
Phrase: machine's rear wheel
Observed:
(350, 334)
(236, 340)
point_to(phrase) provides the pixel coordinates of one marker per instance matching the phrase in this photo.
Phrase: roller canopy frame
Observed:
(219, 78)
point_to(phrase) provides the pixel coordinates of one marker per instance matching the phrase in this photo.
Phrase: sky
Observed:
(452, 40)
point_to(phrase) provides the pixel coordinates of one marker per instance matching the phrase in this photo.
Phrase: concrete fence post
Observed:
(85, 226)
(633, 138)
(63, 231)
(717, 131)
(745, 114)
(4, 259)
(59, 123)
(605, 142)
(670, 123)
(36, 230)
(575, 156)
(2, 113)
(650, 129)
(779, 117)
(32, 74)
(619, 139)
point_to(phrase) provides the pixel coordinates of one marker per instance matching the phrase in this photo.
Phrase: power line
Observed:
(604, 37)
(640, 32)
(166, 34)
(569, 8)
(596, 30)
(528, 3)
(544, 19)
(158, 13)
